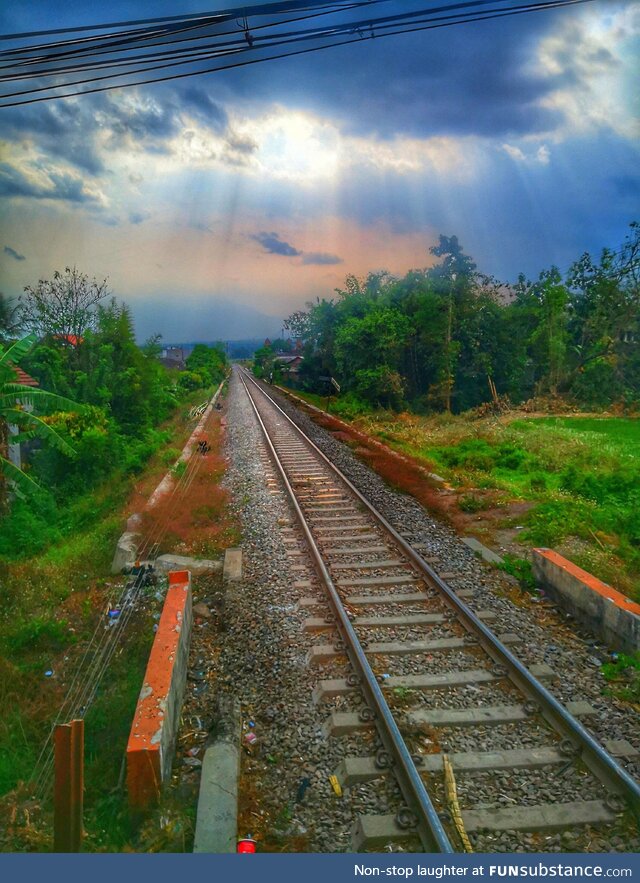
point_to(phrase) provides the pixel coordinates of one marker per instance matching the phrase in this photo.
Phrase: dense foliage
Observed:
(123, 392)
(449, 338)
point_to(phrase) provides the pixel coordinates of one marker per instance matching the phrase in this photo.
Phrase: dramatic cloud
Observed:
(13, 253)
(41, 184)
(517, 135)
(199, 103)
(272, 244)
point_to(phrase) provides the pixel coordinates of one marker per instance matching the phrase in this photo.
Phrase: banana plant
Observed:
(16, 402)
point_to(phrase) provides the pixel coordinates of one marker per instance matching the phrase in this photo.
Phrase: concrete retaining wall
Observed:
(605, 611)
(151, 743)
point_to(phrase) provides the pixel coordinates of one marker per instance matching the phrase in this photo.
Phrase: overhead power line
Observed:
(121, 58)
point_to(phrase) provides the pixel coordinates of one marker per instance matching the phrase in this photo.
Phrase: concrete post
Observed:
(217, 820)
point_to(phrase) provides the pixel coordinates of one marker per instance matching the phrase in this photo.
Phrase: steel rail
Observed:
(429, 827)
(595, 757)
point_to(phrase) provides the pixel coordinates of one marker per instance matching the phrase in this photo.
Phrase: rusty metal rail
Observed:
(419, 805)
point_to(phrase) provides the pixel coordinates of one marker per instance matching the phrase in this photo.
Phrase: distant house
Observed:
(267, 342)
(15, 453)
(174, 357)
(289, 364)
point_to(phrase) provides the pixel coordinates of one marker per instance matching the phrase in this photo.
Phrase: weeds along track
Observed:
(443, 702)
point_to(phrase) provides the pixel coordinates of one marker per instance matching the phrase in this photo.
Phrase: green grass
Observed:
(623, 675)
(580, 475)
(620, 432)
(55, 580)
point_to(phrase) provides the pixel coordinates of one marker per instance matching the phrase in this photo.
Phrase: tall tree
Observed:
(64, 306)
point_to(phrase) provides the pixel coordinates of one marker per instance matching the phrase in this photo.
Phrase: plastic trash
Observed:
(192, 762)
(48, 673)
(250, 738)
(247, 844)
(335, 784)
(302, 789)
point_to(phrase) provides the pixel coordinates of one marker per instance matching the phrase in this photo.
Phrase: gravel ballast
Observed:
(288, 800)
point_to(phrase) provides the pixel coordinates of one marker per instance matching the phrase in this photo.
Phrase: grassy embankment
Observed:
(53, 594)
(571, 483)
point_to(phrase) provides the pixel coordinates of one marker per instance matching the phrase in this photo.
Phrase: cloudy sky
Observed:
(217, 205)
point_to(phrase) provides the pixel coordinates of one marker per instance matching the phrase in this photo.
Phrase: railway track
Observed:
(419, 672)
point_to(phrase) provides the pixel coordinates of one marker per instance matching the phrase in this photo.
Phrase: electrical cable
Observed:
(202, 53)
(459, 19)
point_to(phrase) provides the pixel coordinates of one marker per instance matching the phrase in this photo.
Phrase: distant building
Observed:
(14, 451)
(289, 364)
(174, 357)
(267, 342)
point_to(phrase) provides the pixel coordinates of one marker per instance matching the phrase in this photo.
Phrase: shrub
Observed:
(472, 503)
(380, 386)
(38, 633)
(597, 385)
(29, 527)
(521, 569)
(538, 481)
(188, 381)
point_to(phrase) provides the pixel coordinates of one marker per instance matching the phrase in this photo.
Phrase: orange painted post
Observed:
(77, 783)
(153, 731)
(62, 789)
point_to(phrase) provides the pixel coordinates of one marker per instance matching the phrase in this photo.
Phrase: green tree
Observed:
(208, 361)
(18, 407)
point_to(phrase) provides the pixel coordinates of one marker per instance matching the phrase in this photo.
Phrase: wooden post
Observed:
(69, 784)
(77, 782)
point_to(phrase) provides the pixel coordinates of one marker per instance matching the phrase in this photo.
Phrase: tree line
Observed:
(101, 396)
(449, 338)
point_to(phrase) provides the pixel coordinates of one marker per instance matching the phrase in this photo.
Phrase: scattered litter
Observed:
(192, 762)
(385, 675)
(49, 673)
(520, 527)
(114, 614)
(194, 752)
(155, 628)
(302, 789)
(271, 758)
(335, 784)
(201, 610)
(250, 738)
(593, 660)
(252, 723)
